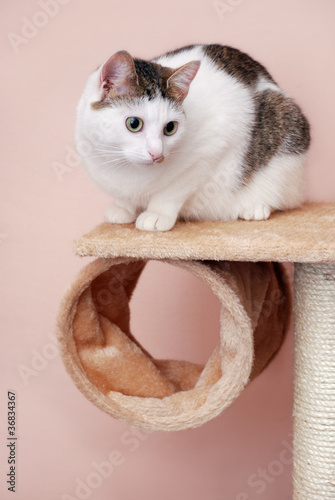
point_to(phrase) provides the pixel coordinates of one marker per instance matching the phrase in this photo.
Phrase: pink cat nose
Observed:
(157, 158)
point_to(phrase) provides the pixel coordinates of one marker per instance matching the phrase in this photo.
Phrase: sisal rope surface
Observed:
(314, 411)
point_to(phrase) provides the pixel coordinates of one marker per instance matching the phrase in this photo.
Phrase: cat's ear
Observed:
(179, 82)
(118, 75)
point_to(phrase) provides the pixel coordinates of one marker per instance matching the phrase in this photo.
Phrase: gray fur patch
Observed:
(279, 128)
(237, 64)
(151, 82)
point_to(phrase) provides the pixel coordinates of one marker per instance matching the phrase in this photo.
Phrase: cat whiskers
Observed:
(112, 151)
(108, 154)
(112, 161)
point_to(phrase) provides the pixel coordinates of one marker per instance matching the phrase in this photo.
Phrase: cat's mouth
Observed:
(152, 162)
(160, 159)
(144, 161)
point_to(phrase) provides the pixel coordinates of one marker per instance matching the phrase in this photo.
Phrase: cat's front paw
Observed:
(259, 212)
(151, 221)
(119, 215)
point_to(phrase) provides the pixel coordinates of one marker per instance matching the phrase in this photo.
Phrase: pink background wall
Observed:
(245, 453)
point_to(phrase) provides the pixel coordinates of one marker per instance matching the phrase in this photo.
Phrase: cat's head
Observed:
(132, 110)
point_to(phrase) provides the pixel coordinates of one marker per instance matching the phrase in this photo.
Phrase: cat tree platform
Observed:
(305, 236)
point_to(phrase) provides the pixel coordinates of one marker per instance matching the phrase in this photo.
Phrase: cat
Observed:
(199, 133)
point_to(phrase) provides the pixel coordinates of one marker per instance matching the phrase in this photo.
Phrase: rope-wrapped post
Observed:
(314, 401)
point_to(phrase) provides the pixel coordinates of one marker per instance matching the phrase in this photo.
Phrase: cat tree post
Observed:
(314, 396)
(305, 236)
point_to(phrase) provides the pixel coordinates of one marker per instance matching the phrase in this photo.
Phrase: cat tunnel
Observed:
(246, 265)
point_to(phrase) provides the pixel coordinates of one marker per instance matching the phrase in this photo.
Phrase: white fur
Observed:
(200, 177)
(264, 84)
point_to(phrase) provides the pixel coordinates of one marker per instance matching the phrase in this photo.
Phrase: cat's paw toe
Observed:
(262, 212)
(119, 215)
(151, 221)
(259, 212)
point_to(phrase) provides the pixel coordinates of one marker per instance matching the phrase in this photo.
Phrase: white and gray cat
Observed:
(200, 133)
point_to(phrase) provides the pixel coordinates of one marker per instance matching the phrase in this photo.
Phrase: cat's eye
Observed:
(170, 128)
(134, 124)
